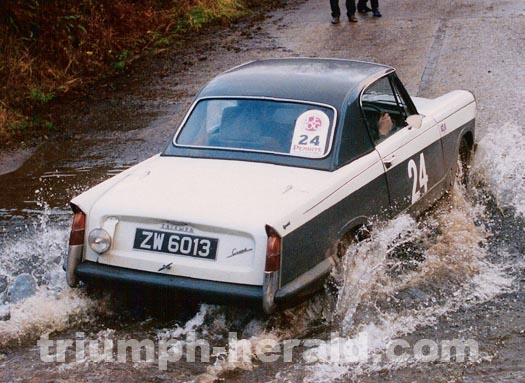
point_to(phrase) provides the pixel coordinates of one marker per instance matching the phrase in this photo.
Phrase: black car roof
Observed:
(320, 80)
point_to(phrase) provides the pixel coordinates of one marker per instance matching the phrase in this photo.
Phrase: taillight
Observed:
(78, 227)
(273, 250)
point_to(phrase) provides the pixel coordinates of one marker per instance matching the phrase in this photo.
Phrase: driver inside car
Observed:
(384, 125)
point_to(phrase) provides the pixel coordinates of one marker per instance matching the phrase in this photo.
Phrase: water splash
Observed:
(39, 251)
(384, 298)
(192, 325)
(364, 265)
(45, 312)
(499, 162)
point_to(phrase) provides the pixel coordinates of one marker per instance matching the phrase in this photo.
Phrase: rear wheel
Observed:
(355, 235)
(358, 234)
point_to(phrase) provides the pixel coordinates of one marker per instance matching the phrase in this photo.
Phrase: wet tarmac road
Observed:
(465, 280)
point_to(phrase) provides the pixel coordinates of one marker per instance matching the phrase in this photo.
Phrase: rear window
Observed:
(259, 125)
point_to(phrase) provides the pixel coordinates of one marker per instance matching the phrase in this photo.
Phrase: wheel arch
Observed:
(353, 225)
(352, 231)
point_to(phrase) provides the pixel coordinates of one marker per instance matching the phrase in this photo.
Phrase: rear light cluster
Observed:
(273, 250)
(78, 227)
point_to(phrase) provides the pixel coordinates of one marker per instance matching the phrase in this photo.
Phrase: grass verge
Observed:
(51, 48)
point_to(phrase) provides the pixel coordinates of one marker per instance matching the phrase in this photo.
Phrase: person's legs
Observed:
(375, 8)
(334, 5)
(362, 7)
(350, 8)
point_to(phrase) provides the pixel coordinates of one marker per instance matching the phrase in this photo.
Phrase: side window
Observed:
(402, 96)
(384, 109)
(402, 104)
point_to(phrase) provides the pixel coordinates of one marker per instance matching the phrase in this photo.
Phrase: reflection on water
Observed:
(46, 194)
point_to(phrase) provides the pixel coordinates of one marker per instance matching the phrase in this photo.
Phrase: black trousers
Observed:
(374, 3)
(336, 11)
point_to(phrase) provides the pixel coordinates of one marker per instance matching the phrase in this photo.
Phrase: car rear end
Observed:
(197, 261)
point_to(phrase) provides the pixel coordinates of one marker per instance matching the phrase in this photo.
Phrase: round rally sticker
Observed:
(310, 134)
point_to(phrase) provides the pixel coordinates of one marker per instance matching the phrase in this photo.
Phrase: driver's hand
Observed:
(385, 124)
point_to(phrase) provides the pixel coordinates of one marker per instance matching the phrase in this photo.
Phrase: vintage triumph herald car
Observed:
(275, 163)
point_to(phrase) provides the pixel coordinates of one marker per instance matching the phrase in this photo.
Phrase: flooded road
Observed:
(455, 274)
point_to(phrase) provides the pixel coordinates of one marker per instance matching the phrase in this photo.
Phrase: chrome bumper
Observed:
(74, 257)
(270, 287)
(295, 291)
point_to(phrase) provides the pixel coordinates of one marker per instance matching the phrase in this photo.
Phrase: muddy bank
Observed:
(152, 87)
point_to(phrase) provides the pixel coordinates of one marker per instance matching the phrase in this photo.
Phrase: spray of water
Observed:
(384, 297)
(499, 164)
(39, 252)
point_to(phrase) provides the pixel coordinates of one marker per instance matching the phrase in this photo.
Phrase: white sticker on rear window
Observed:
(310, 134)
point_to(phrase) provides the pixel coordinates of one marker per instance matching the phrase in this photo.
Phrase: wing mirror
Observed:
(414, 121)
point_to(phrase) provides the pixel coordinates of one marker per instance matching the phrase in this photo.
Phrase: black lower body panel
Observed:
(98, 275)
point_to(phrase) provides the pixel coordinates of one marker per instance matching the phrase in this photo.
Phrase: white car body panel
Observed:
(227, 196)
(344, 181)
(455, 109)
(237, 196)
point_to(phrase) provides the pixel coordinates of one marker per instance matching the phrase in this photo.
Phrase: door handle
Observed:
(389, 161)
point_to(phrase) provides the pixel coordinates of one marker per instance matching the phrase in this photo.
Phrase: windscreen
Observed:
(259, 125)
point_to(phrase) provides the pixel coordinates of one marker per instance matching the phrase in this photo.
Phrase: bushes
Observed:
(50, 47)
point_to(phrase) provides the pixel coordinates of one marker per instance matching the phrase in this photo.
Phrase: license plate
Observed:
(177, 244)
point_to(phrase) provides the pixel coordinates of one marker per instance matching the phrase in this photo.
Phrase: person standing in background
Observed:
(336, 11)
(363, 8)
